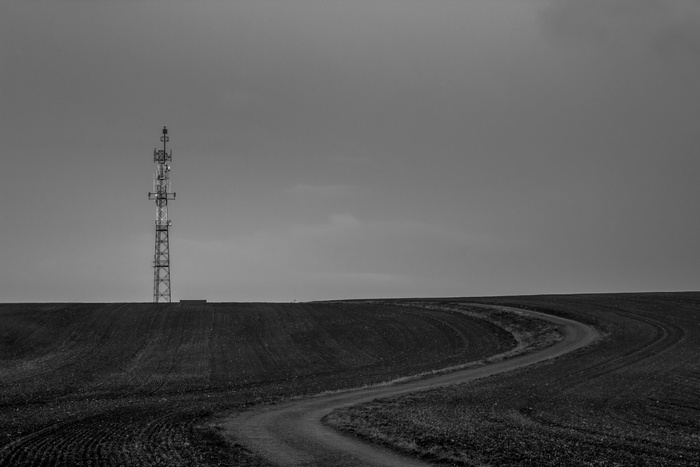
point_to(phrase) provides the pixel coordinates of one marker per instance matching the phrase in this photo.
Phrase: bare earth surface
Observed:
(137, 383)
(147, 385)
(293, 433)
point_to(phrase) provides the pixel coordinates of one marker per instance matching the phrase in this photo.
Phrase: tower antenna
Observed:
(161, 194)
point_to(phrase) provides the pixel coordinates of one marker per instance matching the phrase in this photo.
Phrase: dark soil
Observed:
(632, 399)
(138, 384)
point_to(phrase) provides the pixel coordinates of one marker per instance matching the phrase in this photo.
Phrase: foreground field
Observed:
(631, 399)
(134, 384)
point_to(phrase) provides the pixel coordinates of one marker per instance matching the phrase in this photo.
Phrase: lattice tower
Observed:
(161, 194)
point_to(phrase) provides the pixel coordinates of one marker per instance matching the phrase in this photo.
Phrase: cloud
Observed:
(351, 161)
(325, 191)
(338, 226)
(669, 28)
(342, 255)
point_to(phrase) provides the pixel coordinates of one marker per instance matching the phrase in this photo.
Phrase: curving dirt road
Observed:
(292, 433)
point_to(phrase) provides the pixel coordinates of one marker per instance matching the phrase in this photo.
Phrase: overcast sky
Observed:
(350, 149)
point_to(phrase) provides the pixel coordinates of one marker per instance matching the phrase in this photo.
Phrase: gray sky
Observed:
(348, 149)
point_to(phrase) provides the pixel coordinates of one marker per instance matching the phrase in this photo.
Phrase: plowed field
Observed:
(631, 399)
(134, 384)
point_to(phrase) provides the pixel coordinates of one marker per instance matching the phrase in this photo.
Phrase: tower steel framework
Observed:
(161, 194)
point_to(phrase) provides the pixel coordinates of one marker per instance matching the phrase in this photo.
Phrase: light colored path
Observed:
(292, 433)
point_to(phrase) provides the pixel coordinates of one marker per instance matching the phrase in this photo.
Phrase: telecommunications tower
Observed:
(161, 194)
